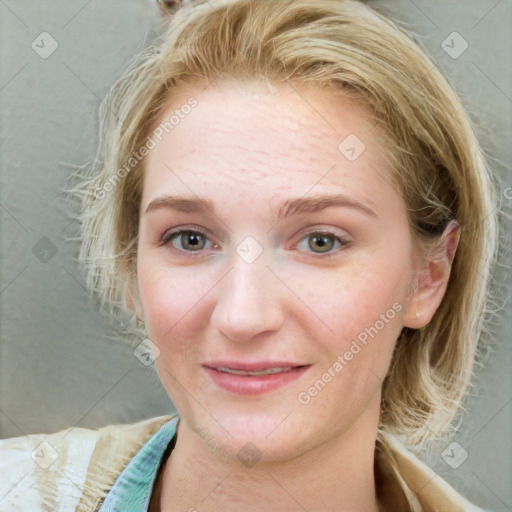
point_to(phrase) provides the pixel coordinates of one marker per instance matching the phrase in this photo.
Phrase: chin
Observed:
(252, 437)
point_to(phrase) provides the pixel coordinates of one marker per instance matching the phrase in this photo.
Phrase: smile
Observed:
(269, 371)
(254, 381)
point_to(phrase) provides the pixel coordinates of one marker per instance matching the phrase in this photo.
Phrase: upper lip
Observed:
(255, 366)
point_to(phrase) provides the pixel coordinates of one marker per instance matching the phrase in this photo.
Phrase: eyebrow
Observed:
(287, 208)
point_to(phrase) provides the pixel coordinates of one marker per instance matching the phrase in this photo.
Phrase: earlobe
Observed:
(431, 279)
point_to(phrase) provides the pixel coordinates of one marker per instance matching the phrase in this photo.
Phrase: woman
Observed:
(290, 198)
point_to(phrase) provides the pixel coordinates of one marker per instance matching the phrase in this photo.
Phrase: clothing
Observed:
(113, 469)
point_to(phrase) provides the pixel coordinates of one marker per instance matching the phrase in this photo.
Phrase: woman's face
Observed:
(271, 240)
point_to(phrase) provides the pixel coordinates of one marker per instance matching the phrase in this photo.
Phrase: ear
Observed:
(431, 279)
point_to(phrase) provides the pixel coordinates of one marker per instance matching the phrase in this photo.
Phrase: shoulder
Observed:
(423, 488)
(71, 469)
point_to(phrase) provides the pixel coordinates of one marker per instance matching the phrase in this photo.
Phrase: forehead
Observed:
(263, 140)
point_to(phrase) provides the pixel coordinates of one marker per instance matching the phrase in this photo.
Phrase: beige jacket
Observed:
(73, 470)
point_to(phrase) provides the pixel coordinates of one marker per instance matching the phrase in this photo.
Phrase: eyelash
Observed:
(167, 237)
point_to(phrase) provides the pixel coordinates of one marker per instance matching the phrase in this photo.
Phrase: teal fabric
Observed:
(132, 490)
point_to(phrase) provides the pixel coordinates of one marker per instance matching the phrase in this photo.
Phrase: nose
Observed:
(248, 301)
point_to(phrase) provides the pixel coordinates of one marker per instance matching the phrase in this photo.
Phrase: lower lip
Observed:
(247, 385)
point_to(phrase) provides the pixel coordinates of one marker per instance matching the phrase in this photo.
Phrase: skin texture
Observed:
(248, 148)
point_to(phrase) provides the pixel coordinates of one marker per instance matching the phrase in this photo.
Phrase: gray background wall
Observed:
(61, 363)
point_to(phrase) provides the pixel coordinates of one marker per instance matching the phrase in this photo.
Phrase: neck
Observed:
(335, 476)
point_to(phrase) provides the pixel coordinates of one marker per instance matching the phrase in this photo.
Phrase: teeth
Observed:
(268, 371)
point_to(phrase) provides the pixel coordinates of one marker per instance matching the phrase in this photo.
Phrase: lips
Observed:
(268, 371)
(241, 367)
(253, 378)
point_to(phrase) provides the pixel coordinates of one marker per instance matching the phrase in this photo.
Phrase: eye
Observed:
(194, 240)
(322, 242)
(189, 240)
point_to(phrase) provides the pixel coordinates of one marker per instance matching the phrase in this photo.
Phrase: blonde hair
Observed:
(433, 154)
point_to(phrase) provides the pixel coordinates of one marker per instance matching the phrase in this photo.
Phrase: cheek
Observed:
(171, 299)
(363, 308)
(357, 294)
